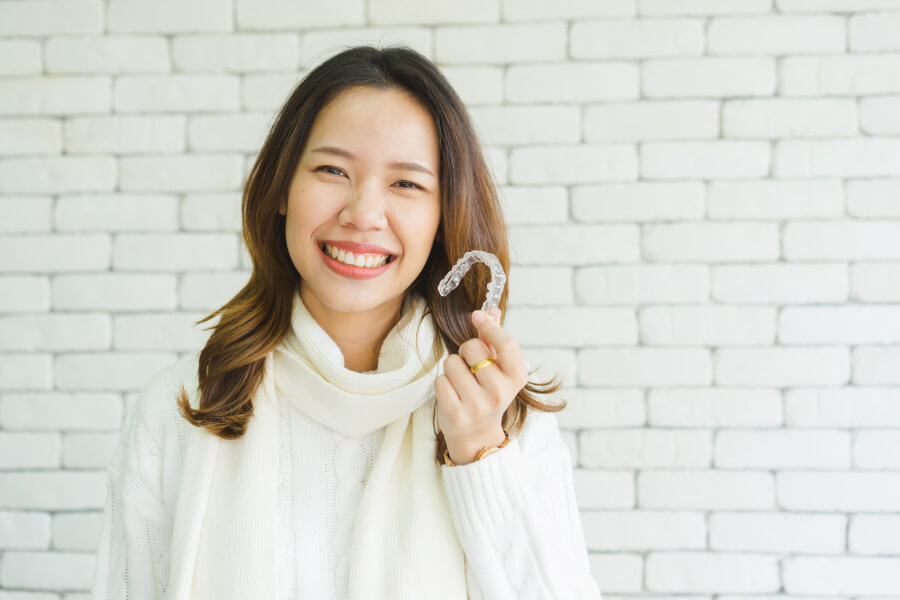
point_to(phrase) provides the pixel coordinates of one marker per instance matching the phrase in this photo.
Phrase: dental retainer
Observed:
(462, 266)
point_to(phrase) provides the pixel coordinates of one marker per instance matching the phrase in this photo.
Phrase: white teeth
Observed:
(348, 258)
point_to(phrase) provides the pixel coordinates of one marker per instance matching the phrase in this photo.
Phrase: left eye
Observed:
(326, 167)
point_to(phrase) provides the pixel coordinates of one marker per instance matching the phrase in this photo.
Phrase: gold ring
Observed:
(480, 365)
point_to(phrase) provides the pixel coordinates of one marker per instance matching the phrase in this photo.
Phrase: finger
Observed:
(504, 345)
(443, 388)
(464, 381)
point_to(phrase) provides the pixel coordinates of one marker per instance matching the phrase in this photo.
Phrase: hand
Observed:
(471, 405)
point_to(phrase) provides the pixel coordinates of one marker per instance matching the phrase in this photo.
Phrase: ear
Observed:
(282, 208)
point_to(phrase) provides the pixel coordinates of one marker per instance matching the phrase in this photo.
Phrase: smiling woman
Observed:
(301, 453)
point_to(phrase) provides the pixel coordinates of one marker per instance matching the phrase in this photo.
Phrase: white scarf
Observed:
(404, 545)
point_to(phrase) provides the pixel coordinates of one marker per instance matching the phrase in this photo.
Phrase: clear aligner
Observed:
(495, 287)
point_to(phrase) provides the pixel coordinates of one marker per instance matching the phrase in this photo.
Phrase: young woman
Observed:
(347, 432)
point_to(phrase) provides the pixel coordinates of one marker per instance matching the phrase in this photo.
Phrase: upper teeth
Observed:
(359, 260)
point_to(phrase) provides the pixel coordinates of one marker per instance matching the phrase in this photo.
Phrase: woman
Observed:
(347, 432)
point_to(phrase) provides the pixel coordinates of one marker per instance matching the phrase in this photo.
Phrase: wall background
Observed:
(704, 204)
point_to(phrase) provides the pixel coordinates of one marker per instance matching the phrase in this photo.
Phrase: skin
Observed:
(364, 197)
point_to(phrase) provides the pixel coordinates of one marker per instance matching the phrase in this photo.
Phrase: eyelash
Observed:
(407, 181)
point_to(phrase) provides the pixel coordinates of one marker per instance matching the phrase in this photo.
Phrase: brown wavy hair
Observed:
(258, 317)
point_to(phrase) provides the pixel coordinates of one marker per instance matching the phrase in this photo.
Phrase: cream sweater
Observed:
(536, 550)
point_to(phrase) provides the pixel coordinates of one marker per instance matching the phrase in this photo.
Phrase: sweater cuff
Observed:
(487, 491)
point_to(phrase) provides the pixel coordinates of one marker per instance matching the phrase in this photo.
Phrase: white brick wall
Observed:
(703, 200)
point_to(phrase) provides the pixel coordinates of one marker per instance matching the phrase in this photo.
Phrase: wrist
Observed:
(463, 452)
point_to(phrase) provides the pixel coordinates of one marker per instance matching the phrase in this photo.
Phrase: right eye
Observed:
(329, 167)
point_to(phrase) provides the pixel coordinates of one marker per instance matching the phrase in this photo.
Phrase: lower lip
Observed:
(352, 271)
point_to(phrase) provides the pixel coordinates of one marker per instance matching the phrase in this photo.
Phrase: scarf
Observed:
(404, 545)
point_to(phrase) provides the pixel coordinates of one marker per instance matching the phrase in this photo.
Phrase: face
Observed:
(369, 175)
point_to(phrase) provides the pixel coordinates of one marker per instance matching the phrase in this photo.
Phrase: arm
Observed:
(517, 519)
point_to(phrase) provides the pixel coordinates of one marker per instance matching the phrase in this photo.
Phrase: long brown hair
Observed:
(258, 317)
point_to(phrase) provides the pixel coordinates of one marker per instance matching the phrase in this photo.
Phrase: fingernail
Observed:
(478, 317)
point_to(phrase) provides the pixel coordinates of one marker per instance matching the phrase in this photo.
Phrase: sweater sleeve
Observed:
(517, 519)
(132, 555)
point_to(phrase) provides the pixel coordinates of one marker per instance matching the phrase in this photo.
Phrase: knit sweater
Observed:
(515, 510)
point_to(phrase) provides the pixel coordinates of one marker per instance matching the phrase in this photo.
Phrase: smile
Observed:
(377, 264)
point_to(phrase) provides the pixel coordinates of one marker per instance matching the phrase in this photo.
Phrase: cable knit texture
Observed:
(514, 512)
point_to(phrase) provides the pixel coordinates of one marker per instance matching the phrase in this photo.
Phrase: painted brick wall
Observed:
(703, 199)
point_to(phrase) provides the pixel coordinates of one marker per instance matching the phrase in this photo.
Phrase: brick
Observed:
(848, 575)
(841, 240)
(26, 372)
(115, 292)
(874, 32)
(477, 84)
(25, 214)
(545, 364)
(838, 491)
(879, 115)
(21, 530)
(529, 10)
(30, 136)
(211, 212)
(209, 291)
(103, 371)
(714, 408)
(24, 293)
(169, 16)
(708, 572)
(396, 12)
(540, 286)
(522, 125)
(636, 38)
(26, 450)
(876, 449)
(54, 332)
(780, 283)
(125, 135)
(595, 488)
(256, 15)
(777, 532)
(117, 212)
(585, 163)
(49, 17)
(585, 81)
(641, 284)
(711, 242)
(532, 205)
(20, 57)
(570, 326)
(776, 35)
(654, 120)
(177, 251)
(51, 411)
(721, 159)
(642, 367)
(107, 54)
(834, 5)
(501, 44)
(873, 534)
(876, 365)
(836, 75)
(573, 244)
(47, 570)
(646, 448)
(88, 450)
(852, 324)
(843, 407)
(644, 530)
(54, 95)
(55, 253)
(51, 490)
(787, 118)
(588, 408)
(782, 449)
(703, 7)
(236, 52)
(77, 531)
(177, 92)
(239, 132)
(836, 158)
(783, 367)
(159, 332)
(875, 282)
(317, 45)
(57, 174)
(775, 200)
(709, 325)
(708, 77)
(709, 490)
(180, 173)
(617, 572)
(267, 91)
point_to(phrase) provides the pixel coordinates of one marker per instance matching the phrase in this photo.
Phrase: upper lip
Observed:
(357, 248)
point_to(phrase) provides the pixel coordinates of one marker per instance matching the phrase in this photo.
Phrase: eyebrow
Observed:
(406, 165)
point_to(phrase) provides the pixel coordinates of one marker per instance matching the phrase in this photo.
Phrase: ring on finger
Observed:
(482, 364)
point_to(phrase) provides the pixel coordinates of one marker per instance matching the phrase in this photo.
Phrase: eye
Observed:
(415, 185)
(329, 167)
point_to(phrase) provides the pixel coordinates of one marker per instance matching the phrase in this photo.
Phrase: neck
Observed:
(359, 335)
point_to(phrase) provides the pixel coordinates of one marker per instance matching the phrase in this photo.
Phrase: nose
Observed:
(364, 209)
